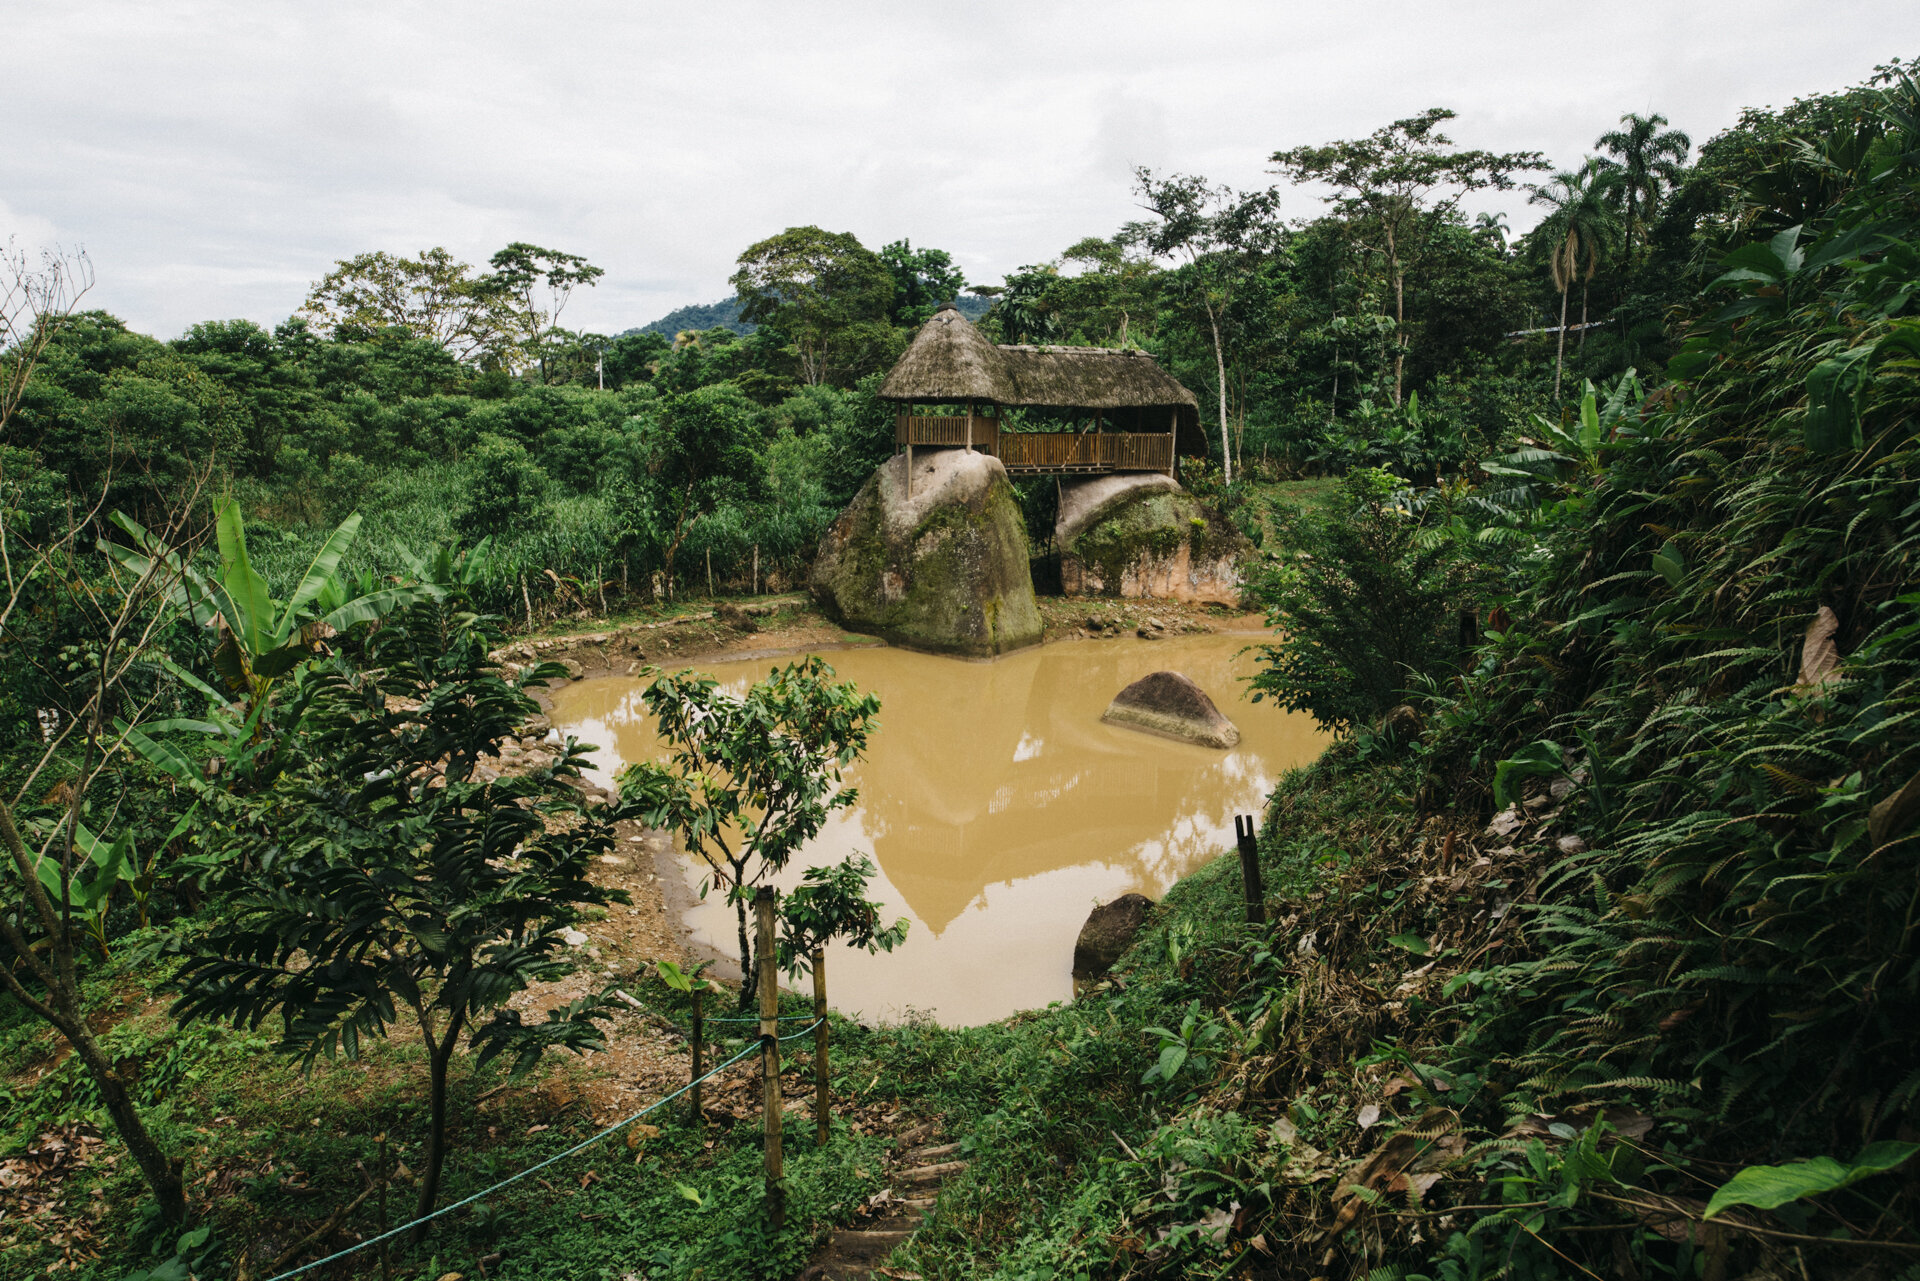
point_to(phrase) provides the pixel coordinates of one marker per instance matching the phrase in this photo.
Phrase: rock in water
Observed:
(1107, 934)
(1141, 535)
(1169, 704)
(945, 570)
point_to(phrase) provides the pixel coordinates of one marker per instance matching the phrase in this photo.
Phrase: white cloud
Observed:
(215, 157)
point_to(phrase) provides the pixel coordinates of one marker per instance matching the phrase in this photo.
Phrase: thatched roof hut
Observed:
(950, 361)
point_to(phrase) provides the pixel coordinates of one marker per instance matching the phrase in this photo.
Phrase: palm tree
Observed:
(1647, 162)
(1492, 229)
(1580, 227)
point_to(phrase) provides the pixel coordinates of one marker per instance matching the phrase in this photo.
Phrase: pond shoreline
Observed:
(1018, 846)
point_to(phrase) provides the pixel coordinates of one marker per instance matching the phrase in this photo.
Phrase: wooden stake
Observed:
(756, 569)
(822, 1100)
(699, 1116)
(528, 599)
(386, 1262)
(769, 984)
(1243, 831)
(709, 573)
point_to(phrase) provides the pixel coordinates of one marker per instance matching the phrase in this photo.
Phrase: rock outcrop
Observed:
(1107, 934)
(1168, 704)
(945, 570)
(1141, 535)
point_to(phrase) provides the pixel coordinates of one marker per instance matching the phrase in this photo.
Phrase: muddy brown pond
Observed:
(999, 808)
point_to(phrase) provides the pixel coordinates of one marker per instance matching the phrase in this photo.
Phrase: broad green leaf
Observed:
(1671, 562)
(1172, 1059)
(1531, 761)
(1411, 943)
(1590, 430)
(251, 606)
(320, 572)
(162, 755)
(1765, 1186)
(374, 605)
(1833, 401)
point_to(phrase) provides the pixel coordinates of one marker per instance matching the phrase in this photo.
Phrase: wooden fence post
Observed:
(756, 569)
(709, 573)
(386, 1260)
(768, 981)
(699, 1070)
(822, 1099)
(1243, 831)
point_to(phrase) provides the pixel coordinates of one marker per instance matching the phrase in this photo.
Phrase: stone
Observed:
(1140, 535)
(735, 617)
(945, 570)
(1169, 704)
(574, 670)
(1107, 934)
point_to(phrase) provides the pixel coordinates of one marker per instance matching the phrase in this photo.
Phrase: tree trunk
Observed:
(1220, 364)
(439, 1056)
(163, 1175)
(1584, 286)
(1561, 354)
(748, 977)
(1399, 316)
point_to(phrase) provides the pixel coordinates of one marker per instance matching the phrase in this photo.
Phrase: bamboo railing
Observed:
(1030, 453)
(1041, 452)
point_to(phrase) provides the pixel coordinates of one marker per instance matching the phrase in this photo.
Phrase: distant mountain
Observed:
(726, 313)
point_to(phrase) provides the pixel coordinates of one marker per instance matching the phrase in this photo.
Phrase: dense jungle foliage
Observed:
(1591, 946)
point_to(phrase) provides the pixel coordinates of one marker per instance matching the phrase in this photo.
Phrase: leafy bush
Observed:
(1364, 603)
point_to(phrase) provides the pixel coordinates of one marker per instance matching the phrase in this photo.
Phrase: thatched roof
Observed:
(949, 360)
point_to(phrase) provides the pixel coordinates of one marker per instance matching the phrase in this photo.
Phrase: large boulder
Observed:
(1168, 704)
(1142, 535)
(945, 570)
(1107, 934)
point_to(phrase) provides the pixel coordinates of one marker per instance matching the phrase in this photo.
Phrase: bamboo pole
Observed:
(822, 1101)
(769, 984)
(386, 1260)
(699, 1045)
(1243, 831)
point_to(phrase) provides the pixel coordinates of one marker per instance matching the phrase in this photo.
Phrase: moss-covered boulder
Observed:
(1141, 535)
(944, 570)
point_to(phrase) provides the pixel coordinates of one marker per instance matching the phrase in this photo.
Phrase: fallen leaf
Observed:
(1369, 1116)
(1819, 656)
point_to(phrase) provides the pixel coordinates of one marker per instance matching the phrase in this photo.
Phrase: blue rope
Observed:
(578, 1147)
(755, 1018)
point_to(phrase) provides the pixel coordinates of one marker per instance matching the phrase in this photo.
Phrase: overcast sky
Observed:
(215, 159)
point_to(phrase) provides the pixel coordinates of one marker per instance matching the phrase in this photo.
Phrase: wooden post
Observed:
(969, 426)
(909, 471)
(709, 573)
(1173, 444)
(386, 1261)
(699, 1068)
(1243, 831)
(822, 1101)
(769, 984)
(756, 569)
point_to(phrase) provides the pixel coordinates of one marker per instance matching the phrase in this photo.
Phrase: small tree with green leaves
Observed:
(749, 779)
(398, 885)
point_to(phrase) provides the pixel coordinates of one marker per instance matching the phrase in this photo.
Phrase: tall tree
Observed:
(826, 292)
(1398, 185)
(1648, 160)
(432, 296)
(923, 279)
(399, 882)
(1578, 230)
(540, 281)
(1222, 235)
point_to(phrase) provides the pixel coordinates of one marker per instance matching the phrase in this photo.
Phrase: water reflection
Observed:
(1000, 809)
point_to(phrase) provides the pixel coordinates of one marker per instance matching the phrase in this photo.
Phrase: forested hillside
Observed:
(1589, 949)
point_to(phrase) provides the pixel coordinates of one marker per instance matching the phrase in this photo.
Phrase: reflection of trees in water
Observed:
(991, 773)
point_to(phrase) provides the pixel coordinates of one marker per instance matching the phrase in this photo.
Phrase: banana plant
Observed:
(261, 639)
